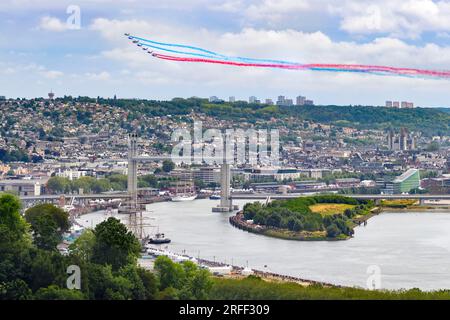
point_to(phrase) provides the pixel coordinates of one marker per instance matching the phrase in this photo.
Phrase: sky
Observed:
(44, 46)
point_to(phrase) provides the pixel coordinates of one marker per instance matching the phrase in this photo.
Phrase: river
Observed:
(412, 250)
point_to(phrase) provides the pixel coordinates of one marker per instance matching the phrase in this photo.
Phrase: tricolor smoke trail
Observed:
(188, 53)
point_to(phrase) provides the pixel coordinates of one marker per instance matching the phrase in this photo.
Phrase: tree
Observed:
(43, 268)
(101, 185)
(170, 274)
(168, 166)
(273, 220)
(182, 281)
(58, 184)
(83, 246)
(333, 231)
(84, 183)
(148, 180)
(114, 244)
(130, 272)
(15, 290)
(54, 292)
(102, 284)
(150, 283)
(13, 228)
(48, 224)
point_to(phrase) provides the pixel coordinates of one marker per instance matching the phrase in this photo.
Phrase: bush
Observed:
(333, 231)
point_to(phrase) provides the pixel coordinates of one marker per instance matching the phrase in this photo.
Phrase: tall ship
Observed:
(184, 197)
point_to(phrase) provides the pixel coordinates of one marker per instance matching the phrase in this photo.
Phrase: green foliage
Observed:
(168, 166)
(254, 288)
(182, 281)
(13, 156)
(43, 268)
(13, 228)
(48, 224)
(296, 215)
(56, 293)
(114, 244)
(15, 290)
(58, 184)
(83, 246)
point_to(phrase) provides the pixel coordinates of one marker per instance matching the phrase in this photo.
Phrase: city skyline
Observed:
(74, 61)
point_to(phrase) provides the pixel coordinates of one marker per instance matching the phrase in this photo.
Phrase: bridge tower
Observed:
(132, 207)
(132, 170)
(226, 203)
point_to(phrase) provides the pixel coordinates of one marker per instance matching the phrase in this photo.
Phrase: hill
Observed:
(429, 121)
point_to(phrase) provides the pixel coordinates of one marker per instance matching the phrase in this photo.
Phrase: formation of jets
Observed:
(136, 42)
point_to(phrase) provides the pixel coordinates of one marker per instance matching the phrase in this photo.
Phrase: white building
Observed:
(70, 174)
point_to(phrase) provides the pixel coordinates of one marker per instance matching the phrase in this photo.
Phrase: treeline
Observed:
(254, 288)
(296, 215)
(114, 182)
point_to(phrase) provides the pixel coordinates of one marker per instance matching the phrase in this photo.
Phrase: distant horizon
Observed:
(225, 100)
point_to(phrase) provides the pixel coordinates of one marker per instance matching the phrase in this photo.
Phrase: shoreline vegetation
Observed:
(31, 268)
(335, 218)
(326, 217)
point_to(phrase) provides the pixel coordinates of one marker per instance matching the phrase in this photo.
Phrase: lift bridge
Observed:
(133, 207)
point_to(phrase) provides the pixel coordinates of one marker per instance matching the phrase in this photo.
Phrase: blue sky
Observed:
(39, 51)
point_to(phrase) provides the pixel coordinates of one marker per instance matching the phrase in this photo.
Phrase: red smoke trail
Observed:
(327, 67)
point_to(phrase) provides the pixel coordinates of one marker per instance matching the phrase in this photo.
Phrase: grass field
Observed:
(326, 209)
(404, 203)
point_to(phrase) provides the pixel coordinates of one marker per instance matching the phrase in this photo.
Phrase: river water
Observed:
(411, 250)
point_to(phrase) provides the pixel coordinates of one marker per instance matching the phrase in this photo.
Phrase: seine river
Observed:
(412, 250)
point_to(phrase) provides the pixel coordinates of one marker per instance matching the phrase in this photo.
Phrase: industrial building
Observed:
(22, 187)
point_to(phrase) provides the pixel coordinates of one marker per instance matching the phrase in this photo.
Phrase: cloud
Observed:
(53, 24)
(398, 18)
(52, 74)
(276, 9)
(102, 76)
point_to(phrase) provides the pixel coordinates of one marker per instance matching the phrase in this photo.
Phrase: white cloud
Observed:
(102, 76)
(399, 18)
(52, 74)
(276, 9)
(53, 24)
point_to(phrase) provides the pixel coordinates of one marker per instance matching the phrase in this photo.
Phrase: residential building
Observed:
(207, 174)
(214, 99)
(281, 100)
(70, 174)
(300, 101)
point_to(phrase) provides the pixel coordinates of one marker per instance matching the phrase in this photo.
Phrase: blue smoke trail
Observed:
(212, 54)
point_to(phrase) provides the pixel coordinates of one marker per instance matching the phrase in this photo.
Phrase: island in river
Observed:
(319, 217)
